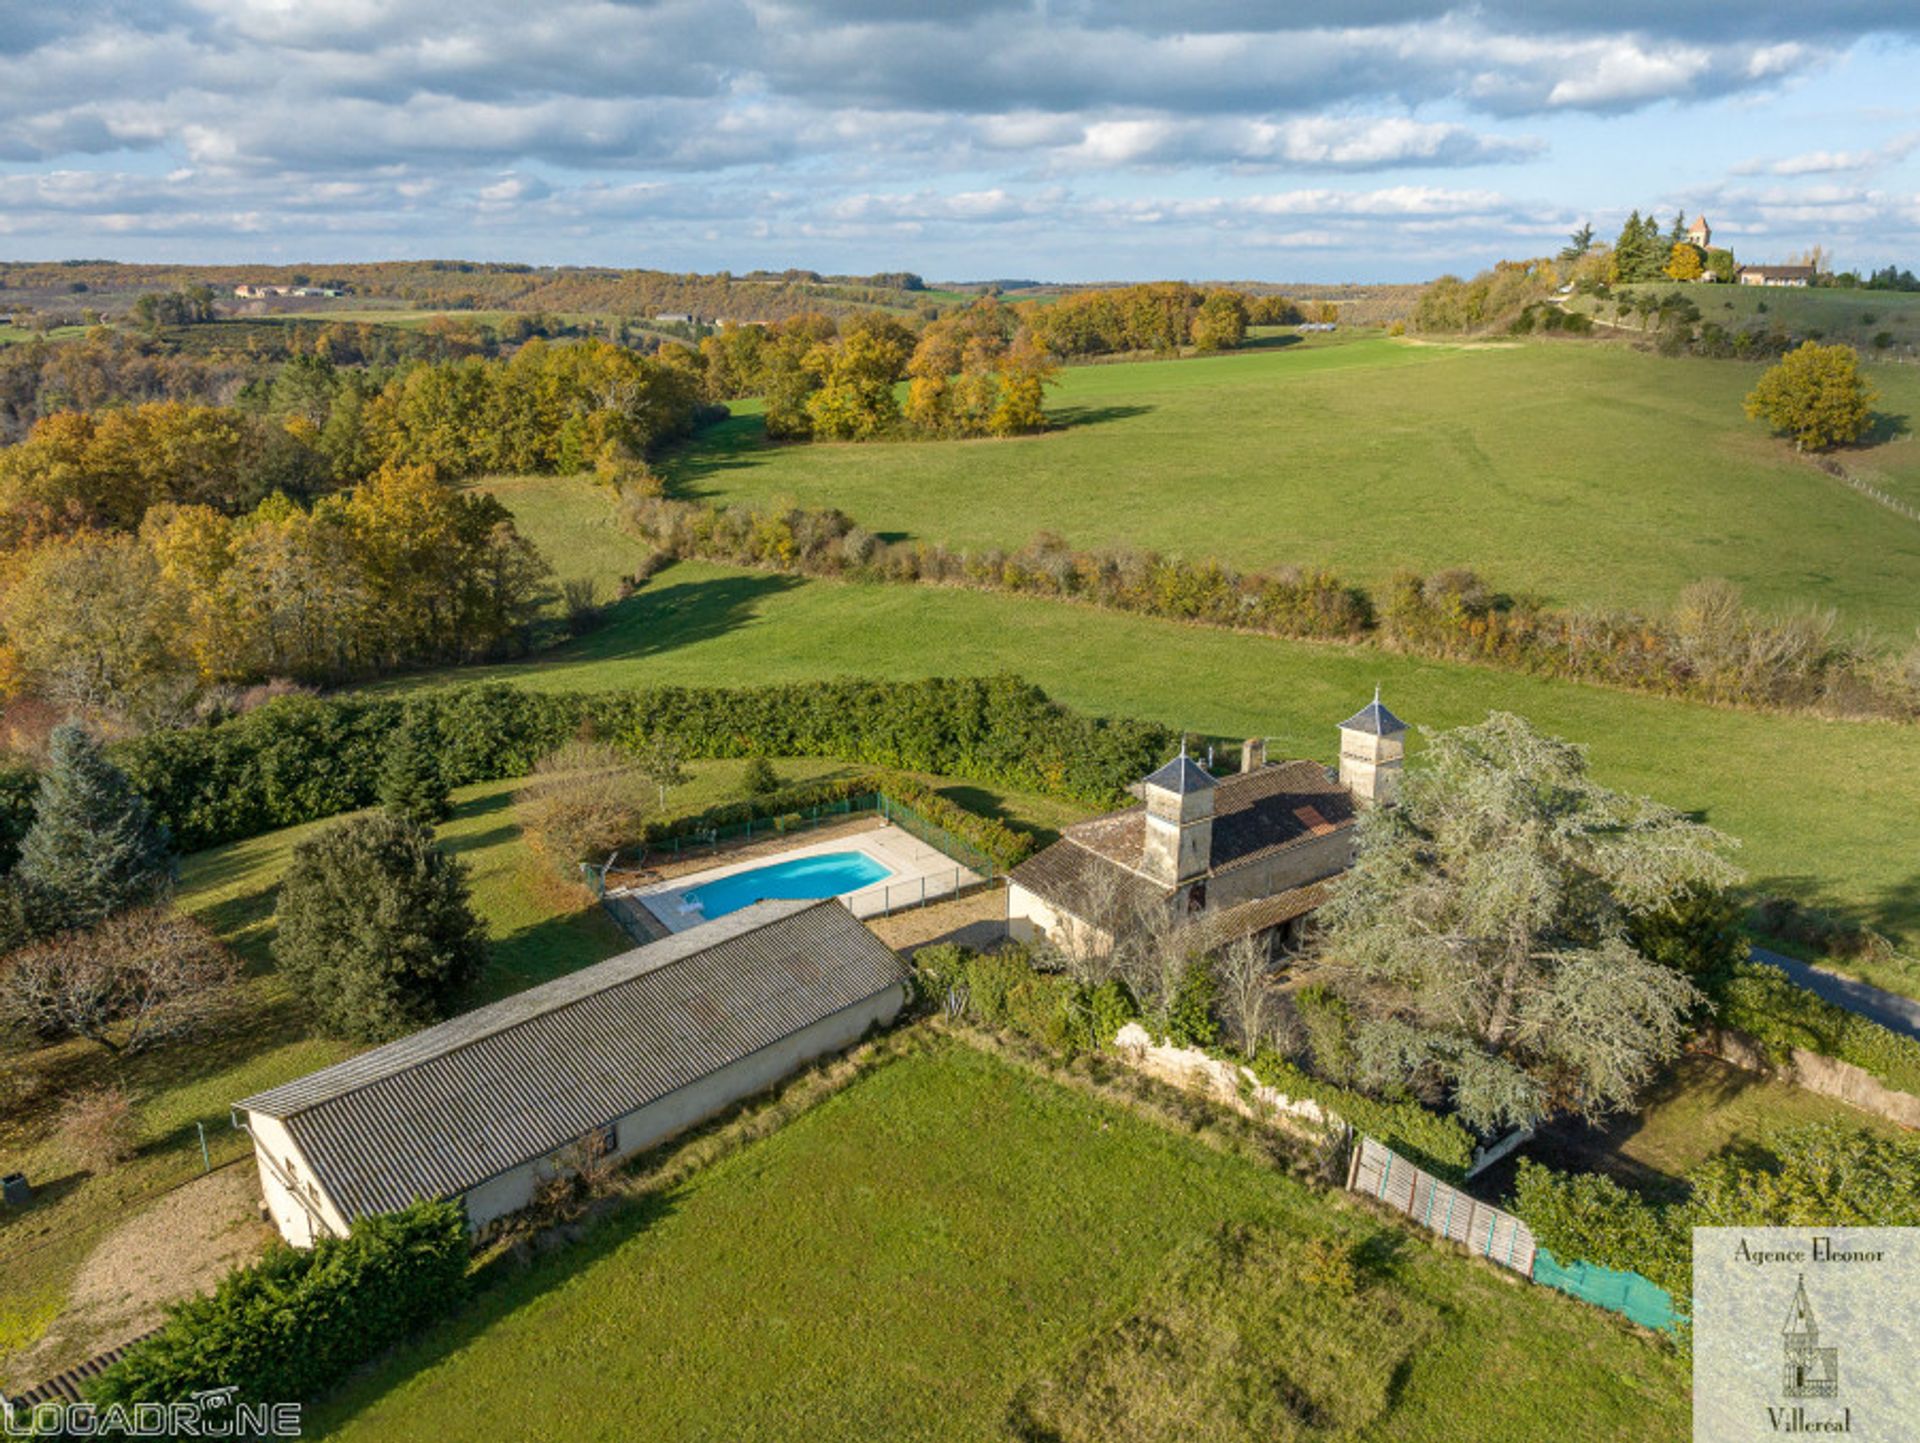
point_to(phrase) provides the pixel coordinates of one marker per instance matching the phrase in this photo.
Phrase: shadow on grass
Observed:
(548, 949)
(984, 803)
(667, 616)
(46, 1193)
(1893, 909)
(733, 445)
(1883, 427)
(1068, 418)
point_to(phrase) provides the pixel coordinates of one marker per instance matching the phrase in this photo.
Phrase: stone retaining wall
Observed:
(1827, 1076)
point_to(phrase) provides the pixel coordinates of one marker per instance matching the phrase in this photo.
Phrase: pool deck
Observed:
(919, 873)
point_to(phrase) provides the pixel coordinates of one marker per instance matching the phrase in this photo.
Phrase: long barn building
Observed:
(615, 1057)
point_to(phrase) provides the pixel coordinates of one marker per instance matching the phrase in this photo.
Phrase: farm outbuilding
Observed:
(613, 1058)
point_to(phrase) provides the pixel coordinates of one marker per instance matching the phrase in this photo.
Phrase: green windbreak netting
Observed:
(1626, 1293)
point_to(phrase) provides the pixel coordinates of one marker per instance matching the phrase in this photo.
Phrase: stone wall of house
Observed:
(1827, 1076)
(1306, 861)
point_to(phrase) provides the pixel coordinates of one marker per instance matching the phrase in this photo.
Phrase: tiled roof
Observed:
(1255, 814)
(1183, 774)
(1264, 912)
(1375, 720)
(433, 1114)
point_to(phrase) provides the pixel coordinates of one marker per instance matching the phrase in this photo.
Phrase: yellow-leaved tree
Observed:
(1816, 395)
(1684, 263)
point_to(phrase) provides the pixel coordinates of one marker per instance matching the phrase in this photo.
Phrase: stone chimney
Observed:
(1253, 754)
(1372, 746)
(1179, 841)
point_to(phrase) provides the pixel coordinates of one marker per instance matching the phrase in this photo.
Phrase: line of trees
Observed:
(1710, 645)
(137, 625)
(1161, 317)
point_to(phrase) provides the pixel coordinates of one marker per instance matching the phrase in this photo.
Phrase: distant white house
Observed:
(1777, 275)
(613, 1058)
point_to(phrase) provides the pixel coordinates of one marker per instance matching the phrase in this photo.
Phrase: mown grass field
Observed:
(949, 1232)
(1819, 805)
(537, 927)
(1581, 472)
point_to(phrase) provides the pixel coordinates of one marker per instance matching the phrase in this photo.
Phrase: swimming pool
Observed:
(825, 874)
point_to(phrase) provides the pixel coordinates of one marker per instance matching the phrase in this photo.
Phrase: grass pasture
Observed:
(950, 1232)
(1857, 317)
(1815, 802)
(1580, 472)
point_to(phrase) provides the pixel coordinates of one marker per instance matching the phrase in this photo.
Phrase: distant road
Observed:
(1889, 1009)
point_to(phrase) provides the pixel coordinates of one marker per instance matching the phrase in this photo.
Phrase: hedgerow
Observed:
(301, 758)
(294, 1323)
(1709, 646)
(1006, 845)
(1767, 1005)
(1442, 1145)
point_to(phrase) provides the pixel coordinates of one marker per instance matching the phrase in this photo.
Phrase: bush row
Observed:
(1006, 845)
(1711, 646)
(828, 543)
(1442, 1145)
(1777, 1012)
(1003, 989)
(301, 758)
(294, 1323)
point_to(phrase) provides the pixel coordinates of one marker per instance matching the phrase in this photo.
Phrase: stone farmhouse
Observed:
(1776, 275)
(603, 1062)
(1250, 854)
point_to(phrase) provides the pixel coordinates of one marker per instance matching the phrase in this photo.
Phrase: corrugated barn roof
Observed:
(433, 1114)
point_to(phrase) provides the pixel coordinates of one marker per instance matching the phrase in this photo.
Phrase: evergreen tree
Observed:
(760, 778)
(412, 786)
(94, 848)
(375, 929)
(1485, 934)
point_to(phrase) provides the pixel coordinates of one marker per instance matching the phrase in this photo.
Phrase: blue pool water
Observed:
(828, 874)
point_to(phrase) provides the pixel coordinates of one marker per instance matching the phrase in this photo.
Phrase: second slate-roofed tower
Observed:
(1373, 744)
(1179, 841)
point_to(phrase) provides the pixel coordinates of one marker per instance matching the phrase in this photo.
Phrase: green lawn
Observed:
(950, 1231)
(1820, 805)
(1856, 317)
(1582, 472)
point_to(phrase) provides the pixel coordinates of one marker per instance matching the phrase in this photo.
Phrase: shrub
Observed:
(1331, 1264)
(1442, 1145)
(374, 928)
(759, 779)
(1585, 1217)
(98, 1129)
(1768, 1006)
(1190, 1019)
(585, 800)
(1699, 933)
(294, 1323)
(138, 977)
(1329, 1027)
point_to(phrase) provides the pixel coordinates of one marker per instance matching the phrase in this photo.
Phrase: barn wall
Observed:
(661, 1119)
(284, 1167)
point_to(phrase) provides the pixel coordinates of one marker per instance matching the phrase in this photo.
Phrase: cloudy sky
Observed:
(1064, 139)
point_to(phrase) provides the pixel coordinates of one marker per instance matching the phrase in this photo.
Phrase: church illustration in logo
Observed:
(1807, 1369)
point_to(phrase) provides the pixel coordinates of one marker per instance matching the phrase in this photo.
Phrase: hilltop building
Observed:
(1777, 275)
(602, 1062)
(1700, 233)
(1250, 854)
